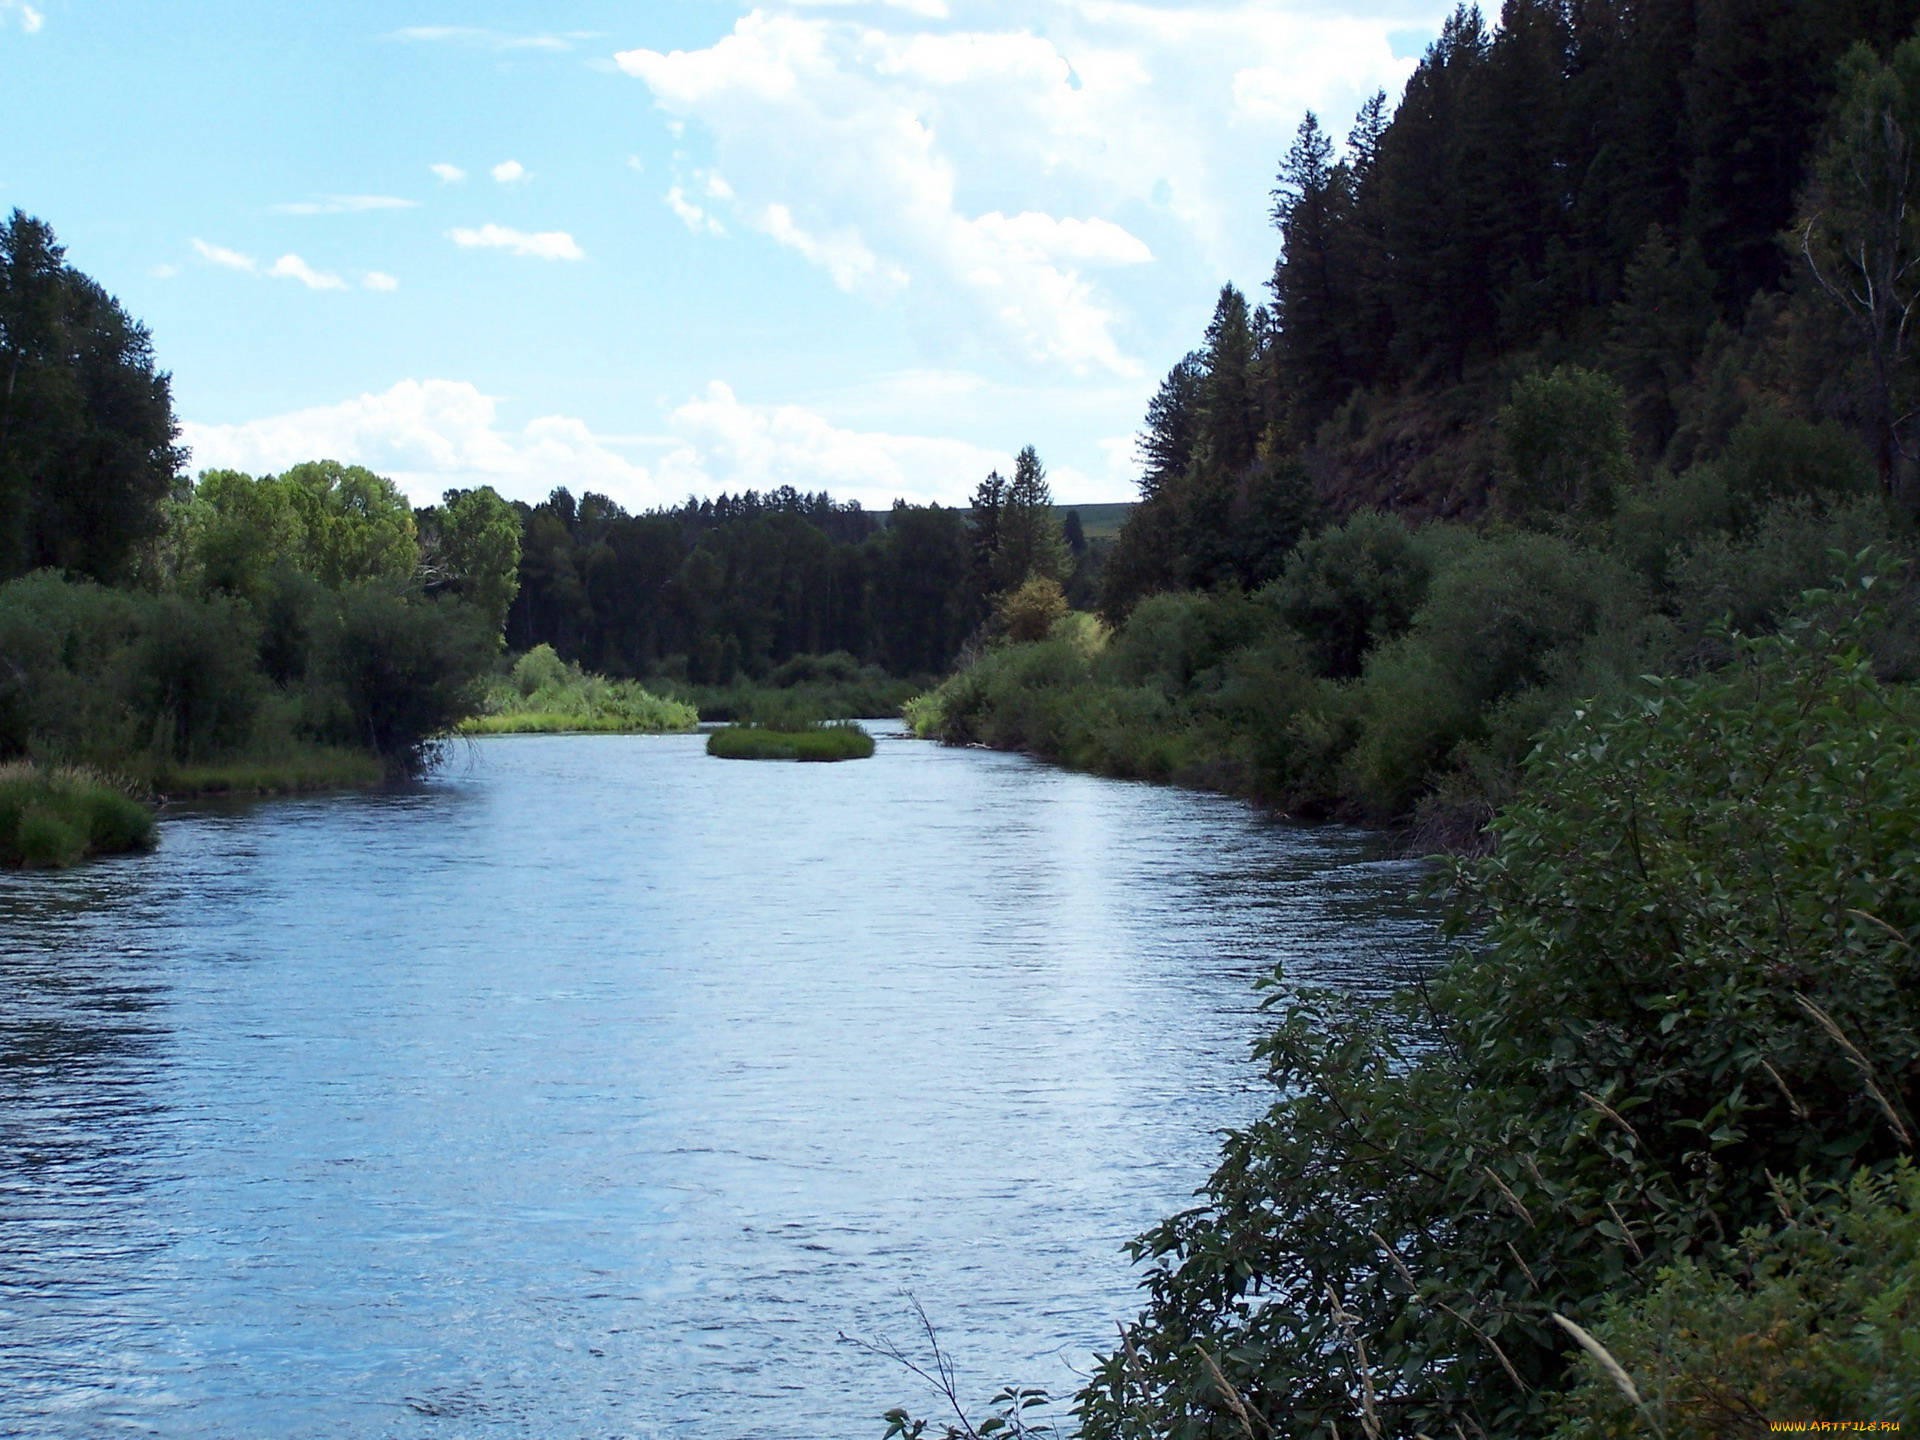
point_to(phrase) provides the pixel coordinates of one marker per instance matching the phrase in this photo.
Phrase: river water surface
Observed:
(596, 1088)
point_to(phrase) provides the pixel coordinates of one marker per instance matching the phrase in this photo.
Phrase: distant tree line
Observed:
(739, 584)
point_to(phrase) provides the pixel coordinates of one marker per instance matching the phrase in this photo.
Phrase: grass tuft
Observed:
(56, 816)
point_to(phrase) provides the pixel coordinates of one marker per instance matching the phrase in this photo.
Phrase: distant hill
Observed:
(1098, 521)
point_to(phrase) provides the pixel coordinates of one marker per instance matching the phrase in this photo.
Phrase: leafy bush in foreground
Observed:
(1813, 1319)
(1694, 971)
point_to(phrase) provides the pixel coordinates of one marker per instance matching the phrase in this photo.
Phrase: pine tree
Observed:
(1030, 543)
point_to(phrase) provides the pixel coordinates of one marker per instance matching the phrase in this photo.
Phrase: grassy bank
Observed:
(300, 772)
(59, 815)
(545, 695)
(839, 741)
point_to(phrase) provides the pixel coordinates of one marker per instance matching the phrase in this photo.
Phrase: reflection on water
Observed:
(596, 1087)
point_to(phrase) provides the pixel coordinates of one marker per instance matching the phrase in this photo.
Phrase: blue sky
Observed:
(661, 249)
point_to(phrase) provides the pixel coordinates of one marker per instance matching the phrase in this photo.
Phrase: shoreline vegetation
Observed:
(545, 695)
(826, 741)
(52, 817)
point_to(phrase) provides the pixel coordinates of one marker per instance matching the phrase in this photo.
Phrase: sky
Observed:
(660, 250)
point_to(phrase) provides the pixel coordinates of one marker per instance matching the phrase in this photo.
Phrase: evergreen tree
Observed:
(1030, 543)
(1312, 298)
(87, 453)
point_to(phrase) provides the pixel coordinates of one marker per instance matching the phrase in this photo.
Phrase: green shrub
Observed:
(407, 672)
(1565, 439)
(1772, 456)
(1352, 587)
(541, 669)
(1028, 613)
(1171, 639)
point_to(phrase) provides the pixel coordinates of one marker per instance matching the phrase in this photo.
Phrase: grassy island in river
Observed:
(814, 742)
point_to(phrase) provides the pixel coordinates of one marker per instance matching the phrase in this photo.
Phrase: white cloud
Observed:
(30, 19)
(345, 204)
(510, 172)
(544, 245)
(695, 218)
(287, 267)
(635, 164)
(449, 174)
(728, 445)
(231, 259)
(164, 272)
(379, 280)
(484, 39)
(292, 267)
(1008, 179)
(431, 435)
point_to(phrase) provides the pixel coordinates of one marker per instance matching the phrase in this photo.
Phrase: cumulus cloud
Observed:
(510, 172)
(30, 20)
(429, 436)
(379, 280)
(729, 445)
(345, 204)
(449, 174)
(542, 245)
(1010, 180)
(432, 435)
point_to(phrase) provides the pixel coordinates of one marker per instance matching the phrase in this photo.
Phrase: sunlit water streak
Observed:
(595, 1087)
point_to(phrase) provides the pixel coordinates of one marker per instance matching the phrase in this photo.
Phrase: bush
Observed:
(1352, 587)
(1030, 612)
(540, 668)
(1565, 438)
(407, 672)
(1692, 970)
(194, 682)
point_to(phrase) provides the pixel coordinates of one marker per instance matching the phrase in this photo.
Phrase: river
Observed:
(596, 1088)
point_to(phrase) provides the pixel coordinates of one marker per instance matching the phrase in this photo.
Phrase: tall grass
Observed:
(56, 816)
(840, 741)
